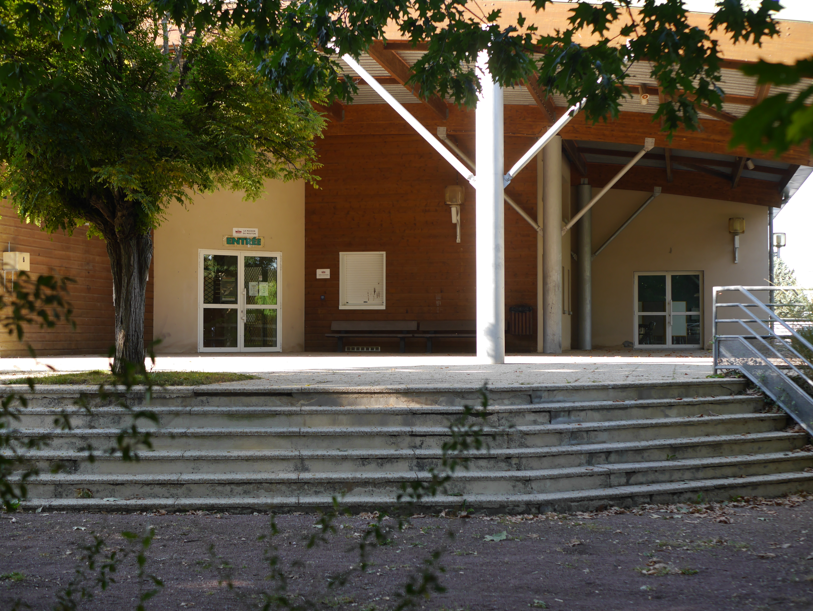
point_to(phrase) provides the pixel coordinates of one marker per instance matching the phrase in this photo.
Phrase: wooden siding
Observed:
(387, 194)
(85, 260)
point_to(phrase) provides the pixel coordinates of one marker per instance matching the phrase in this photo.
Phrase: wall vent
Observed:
(362, 349)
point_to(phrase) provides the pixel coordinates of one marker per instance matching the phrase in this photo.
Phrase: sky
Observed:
(796, 221)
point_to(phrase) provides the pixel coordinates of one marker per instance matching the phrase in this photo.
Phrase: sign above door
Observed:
(245, 232)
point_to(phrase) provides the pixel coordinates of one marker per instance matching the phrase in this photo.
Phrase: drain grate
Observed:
(362, 349)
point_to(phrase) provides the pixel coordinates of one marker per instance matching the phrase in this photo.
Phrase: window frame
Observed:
(343, 280)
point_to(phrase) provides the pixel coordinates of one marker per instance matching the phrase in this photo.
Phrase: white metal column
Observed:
(490, 232)
(552, 247)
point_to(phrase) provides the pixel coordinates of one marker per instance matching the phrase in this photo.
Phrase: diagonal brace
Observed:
(648, 146)
(405, 114)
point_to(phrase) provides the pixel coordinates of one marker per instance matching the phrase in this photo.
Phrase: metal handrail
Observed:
(757, 322)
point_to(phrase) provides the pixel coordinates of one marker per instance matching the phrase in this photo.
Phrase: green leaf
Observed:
(498, 537)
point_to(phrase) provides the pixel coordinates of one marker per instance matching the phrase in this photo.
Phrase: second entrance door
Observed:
(667, 312)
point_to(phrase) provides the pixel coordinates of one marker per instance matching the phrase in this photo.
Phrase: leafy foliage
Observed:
(108, 115)
(782, 120)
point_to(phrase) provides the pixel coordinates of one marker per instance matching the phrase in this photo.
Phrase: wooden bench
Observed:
(435, 329)
(372, 329)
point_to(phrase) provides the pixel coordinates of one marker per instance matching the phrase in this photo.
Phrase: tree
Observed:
(296, 45)
(113, 136)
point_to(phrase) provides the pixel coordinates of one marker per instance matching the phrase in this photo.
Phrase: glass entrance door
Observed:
(668, 312)
(239, 294)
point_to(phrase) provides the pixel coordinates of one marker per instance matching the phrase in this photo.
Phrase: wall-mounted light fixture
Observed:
(736, 226)
(780, 240)
(455, 196)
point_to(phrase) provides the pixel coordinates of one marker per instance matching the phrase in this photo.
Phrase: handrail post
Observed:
(715, 347)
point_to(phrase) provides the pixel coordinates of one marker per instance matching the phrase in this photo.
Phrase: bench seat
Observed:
(372, 329)
(437, 329)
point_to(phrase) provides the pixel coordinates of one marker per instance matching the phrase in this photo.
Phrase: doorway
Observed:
(238, 296)
(668, 309)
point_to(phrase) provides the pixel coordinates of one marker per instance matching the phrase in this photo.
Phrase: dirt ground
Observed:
(754, 554)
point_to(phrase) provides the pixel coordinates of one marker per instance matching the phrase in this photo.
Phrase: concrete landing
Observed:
(331, 370)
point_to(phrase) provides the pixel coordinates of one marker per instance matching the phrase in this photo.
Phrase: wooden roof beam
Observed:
(762, 92)
(704, 169)
(542, 99)
(783, 182)
(574, 155)
(736, 173)
(399, 69)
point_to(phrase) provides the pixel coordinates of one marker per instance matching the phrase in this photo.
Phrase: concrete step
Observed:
(373, 461)
(296, 438)
(398, 396)
(389, 484)
(702, 490)
(324, 417)
(548, 447)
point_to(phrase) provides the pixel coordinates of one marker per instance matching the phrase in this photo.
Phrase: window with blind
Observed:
(362, 280)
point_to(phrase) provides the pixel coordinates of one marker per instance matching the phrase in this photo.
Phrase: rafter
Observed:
(399, 69)
(736, 172)
(575, 156)
(786, 177)
(702, 168)
(542, 99)
(762, 92)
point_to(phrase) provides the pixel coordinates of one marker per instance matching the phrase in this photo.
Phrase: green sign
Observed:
(232, 241)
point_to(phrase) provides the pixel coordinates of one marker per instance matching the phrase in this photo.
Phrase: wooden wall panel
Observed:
(86, 262)
(386, 194)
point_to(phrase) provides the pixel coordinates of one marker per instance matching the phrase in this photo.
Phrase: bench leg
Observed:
(428, 345)
(339, 344)
(403, 344)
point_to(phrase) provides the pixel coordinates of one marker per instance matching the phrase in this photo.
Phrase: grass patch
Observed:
(15, 576)
(159, 378)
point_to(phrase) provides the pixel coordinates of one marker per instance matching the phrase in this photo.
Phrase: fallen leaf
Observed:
(766, 556)
(498, 537)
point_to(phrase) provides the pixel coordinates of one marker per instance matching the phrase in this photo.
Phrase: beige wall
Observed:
(674, 233)
(280, 217)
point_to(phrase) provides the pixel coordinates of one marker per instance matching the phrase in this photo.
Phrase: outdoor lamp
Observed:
(736, 226)
(780, 240)
(455, 195)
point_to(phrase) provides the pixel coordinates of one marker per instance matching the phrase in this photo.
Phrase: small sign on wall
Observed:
(322, 274)
(243, 232)
(232, 241)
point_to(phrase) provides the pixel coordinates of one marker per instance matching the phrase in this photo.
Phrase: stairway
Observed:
(555, 448)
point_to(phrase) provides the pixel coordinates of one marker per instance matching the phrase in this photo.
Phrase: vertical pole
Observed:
(585, 269)
(540, 246)
(552, 247)
(490, 236)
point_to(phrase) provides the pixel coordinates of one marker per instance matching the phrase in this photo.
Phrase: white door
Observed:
(238, 296)
(668, 309)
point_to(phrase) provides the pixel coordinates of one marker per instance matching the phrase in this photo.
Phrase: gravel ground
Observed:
(751, 554)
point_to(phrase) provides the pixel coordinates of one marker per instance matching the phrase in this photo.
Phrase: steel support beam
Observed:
(627, 222)
(584, 275)
(648, 146)
(412, 121)
(552, 246)
(490, 233)
(453, 145)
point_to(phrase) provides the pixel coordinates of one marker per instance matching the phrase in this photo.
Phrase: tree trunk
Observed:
(130, 258)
